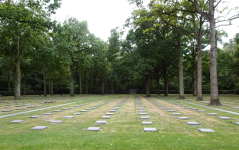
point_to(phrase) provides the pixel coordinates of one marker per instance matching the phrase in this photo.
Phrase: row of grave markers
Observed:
(108, 116)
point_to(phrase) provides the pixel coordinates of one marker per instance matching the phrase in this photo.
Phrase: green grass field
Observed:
(123, 130)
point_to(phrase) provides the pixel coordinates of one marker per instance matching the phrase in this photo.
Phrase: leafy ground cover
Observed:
(124, 129)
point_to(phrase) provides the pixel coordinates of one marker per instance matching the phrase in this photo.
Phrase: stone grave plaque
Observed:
(93, 129)
(20, 109)
(202, 111)
(183, 118)
(109, 113)
(171, 110)
(189, 107)
(142, 113)
(34, 116)
(212, 114)
(101, 122)
(57, 110)
(88, 108)
(237, 123)
(235, 107)
(6, 110)
(83, 111)
(194, 109)
(0, 126)
(30, 107)
(140, 108)
(7, 107)
(65, 108)
(47, 113)
(17, 121)
(69, 117)
(39, 128)
(177, 114)
(144, 117)
(18, 106)
(56, 122)
(146, 123)
(224, 118)
(193, 123)
(71, 107)
(112, 111)
(150, 130)
(206, 130)
(76, 113)
(77, 106)
(105, 117)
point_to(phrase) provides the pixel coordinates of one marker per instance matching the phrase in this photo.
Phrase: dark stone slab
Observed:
(39, 128)
(6, 110)
(237, 123)
(171, 110)
(20, 109)
(93, 129)
(150, 130)
(18, 106)
(7, 107)
(206, 130)
(65, 108)
(83, 111)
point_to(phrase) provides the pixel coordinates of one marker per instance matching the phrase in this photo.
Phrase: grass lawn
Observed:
(123, 130)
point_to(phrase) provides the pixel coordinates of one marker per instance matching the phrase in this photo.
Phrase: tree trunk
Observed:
(80, 83)
(112, 87)
(158, 86)
(25, 84)
(180, 64)
(165, 84)
(199, 65)
(17, 88)
(8, 80)
(86, 85)
(44, 77)
(147, 86)
(51, 87)
(72, 81)
(213, 58)
(194, 76)
(102, 85)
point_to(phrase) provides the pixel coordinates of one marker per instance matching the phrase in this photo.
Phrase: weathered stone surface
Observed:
(47, 113)
(83, 111)
(57, 110)
(76, 113)
(34, 116)
(17, 121)
(39, 128)
(212, 114)
(171, 110)
(106, 117)
(144, 117)
(93, 129)
(194, 109)
(237, 123)
(177, 114)
(206, 130)
(109, 113)
(65, 108)
(146, 123)
(202, 111)
(142, 113)
(193, 123)
(56, 122)
(112, 111)
(69, 117)
(183, 118)
(100, 122)
(150, 130)
(20, 109)
(6, 110)
(224, 118)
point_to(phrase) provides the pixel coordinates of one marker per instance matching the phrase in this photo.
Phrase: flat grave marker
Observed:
(150, 130)
(109, 113)
(56, 122)
(237, 123)
(142, 113)
(225, 118)
(106, 117)
(34, 116)
(183, 118)
(194, 109)
(6, 110)
(20, 109)
(69, 117)
(144, 117)
(47, 113)
(83, 111)
(65, 108)
(212, 114)
(76, 113)
(171, 110)
(93, 129)
(39, 128)
(101, 122)
(206, 130)
(177, 114)
(57, 110)
(17, 121)
(146, 123)
(202, 111)
(193, 123)
(112, 111)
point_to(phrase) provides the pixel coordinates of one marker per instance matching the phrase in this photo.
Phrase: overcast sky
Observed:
(104, 15)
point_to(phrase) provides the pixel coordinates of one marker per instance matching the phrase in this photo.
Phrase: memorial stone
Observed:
(150, 130)
(206, 130)
(39, 128)
(93, 129)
